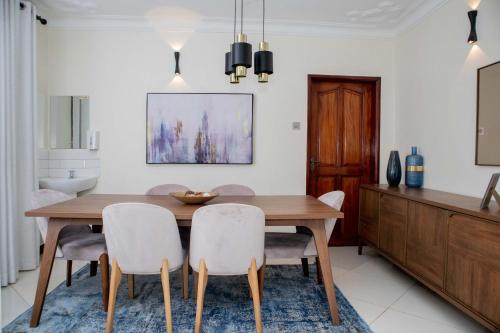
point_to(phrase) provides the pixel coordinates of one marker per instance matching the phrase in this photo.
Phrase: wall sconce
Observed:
(473, 34)
(177, 69)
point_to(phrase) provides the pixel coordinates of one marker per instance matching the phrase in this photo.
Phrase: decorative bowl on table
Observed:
(194, 198)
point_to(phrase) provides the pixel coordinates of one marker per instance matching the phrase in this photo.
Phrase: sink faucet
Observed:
(71, 174)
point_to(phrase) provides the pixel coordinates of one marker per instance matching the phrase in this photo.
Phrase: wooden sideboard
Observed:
(443, 240)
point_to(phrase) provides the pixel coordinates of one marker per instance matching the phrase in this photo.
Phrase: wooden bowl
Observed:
(194, 198)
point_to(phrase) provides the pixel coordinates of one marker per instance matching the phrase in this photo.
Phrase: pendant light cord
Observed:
(263, 18)
(234, 28)
(241, 16)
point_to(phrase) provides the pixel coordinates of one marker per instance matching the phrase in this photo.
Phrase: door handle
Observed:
(313, 164)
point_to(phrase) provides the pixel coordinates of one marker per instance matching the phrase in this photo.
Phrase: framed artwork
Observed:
(199, 128)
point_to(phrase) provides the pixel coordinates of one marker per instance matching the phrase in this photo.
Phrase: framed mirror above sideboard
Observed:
(488, 115)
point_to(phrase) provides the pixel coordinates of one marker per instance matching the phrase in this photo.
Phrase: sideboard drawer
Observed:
(473, 268)
(392, 235)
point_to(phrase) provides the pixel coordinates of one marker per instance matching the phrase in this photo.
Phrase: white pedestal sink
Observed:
(68, 185)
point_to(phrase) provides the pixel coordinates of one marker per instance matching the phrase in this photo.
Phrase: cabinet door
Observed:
(392, 236)
(368, 216)
(473, 268)
(426, 242)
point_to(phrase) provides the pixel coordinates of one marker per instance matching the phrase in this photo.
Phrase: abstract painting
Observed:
(199, 128)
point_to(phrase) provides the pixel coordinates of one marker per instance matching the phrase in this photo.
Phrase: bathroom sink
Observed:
(68, 185)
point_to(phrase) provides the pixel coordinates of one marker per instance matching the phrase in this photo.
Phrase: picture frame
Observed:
(199, 128)
(491, 191)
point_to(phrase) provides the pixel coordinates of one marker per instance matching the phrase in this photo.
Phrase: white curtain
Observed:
(19, 237)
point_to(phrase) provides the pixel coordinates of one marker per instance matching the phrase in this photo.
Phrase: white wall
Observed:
(436, 93)
(117, 68)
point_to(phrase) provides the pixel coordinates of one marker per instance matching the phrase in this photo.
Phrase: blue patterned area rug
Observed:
(292, 303)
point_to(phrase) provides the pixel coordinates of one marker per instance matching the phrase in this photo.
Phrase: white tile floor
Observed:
(387, 299)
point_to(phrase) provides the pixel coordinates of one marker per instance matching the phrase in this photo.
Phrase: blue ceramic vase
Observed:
(414, 176)
(394, 169)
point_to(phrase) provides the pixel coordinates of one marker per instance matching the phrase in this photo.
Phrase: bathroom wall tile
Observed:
(72, 154)
(43, 172)
(72, 164)
(54, 164)
(43, 164)
(92, 164)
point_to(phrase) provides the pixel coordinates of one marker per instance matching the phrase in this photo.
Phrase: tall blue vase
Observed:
(414, 176)
(394, 169)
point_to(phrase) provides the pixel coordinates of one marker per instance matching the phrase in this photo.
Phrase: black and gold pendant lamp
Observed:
(241, 51)
(263, 59)
(230, 70)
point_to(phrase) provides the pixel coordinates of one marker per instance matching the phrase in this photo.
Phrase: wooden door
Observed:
(343, 143)
(426, 243)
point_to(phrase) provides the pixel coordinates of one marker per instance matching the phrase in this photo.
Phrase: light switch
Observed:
(296, 125)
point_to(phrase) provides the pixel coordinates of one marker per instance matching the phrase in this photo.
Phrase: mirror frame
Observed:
(477, 113)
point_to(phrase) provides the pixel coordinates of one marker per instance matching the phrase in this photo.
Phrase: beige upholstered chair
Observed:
(166, 189)
(228, 239)
(76, 242)
(234, 189)
(301, 245)
(143, 239)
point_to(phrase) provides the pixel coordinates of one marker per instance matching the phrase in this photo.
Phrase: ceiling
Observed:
(369, 17)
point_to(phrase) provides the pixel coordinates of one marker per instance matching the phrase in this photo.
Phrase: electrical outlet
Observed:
(296, 125)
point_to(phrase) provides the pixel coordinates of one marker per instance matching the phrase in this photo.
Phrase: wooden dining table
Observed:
(283, 210)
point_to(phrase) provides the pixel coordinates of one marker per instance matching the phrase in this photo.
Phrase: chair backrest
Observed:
(140, 236)
(166, 189)
(227, 237)
(333, 199)
(234, 189)
(42, 198)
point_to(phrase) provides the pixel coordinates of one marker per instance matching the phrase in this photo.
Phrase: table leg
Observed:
(49, 253)
(96, 229)
(319, 233)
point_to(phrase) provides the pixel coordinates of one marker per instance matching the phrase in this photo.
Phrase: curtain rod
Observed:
(38, 17)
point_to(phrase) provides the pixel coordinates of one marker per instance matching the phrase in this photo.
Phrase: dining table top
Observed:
(275, 207)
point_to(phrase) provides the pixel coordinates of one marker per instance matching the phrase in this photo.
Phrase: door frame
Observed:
(377, 81)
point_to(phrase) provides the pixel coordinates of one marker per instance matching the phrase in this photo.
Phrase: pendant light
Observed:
(263, 59)
(241, 51)
(229, 56)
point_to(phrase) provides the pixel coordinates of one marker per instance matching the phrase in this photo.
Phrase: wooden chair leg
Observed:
(202, 284)
(318, 271)
(166, 294)
(185, 278)
(69, 264)
(116, 275)
(104, 263)
(261, 273)
(195, 284)
(130, 285)
(305, 266)
(254, 285)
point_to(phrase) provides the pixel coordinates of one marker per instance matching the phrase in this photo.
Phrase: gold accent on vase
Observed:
(417, 168)
(263, 77)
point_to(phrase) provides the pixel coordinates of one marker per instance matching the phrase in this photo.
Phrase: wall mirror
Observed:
(68, 122)
(488, 115)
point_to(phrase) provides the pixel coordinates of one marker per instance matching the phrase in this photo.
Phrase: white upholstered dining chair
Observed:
(227, 239)
(143, 239)
(234, 189)
(76, 242)
(166, 189)
(301, 245)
